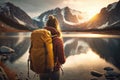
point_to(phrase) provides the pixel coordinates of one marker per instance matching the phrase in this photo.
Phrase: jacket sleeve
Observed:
(60, 51)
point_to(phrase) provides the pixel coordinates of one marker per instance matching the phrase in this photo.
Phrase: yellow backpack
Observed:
(41, 51)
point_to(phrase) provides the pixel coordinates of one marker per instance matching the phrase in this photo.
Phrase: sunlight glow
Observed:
(91, 14)
(83, 58)
(88, 35)
(91, 7)
(82, 35)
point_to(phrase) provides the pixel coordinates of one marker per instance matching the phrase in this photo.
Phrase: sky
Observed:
(35, 7)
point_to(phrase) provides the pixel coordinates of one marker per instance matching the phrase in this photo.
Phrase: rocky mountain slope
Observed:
(66, 16)
(108, 18)
(12, 18)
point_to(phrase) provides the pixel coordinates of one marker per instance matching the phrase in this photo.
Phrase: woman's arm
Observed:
(60, 51)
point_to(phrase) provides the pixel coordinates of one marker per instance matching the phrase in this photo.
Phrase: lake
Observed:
(84, 53)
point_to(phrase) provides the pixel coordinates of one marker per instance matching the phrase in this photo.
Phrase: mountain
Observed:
(108, 17)
(66, 16)
(13, 19)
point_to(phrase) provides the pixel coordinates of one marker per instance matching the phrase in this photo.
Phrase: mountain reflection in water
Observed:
(83, 54)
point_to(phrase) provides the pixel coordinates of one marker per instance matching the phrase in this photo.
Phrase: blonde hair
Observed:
(53, 22)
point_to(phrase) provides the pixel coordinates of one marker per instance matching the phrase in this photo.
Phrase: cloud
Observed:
(34, 6)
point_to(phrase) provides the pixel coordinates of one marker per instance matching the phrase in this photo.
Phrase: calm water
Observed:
(84, 53)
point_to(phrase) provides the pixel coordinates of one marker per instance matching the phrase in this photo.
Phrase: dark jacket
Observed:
(58, 48)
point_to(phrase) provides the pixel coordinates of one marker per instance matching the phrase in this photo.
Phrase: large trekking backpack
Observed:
(41, 51)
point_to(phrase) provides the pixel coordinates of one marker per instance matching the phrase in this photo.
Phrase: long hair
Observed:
(53, 22)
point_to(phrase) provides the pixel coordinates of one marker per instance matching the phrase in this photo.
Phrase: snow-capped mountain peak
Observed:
(14, 16)
(65, 16)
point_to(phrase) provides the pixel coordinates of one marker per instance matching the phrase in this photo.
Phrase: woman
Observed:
(59, 57)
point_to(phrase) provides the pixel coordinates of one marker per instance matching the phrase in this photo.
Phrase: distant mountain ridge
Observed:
(66, 16)
(12, 18)
(109, 17)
